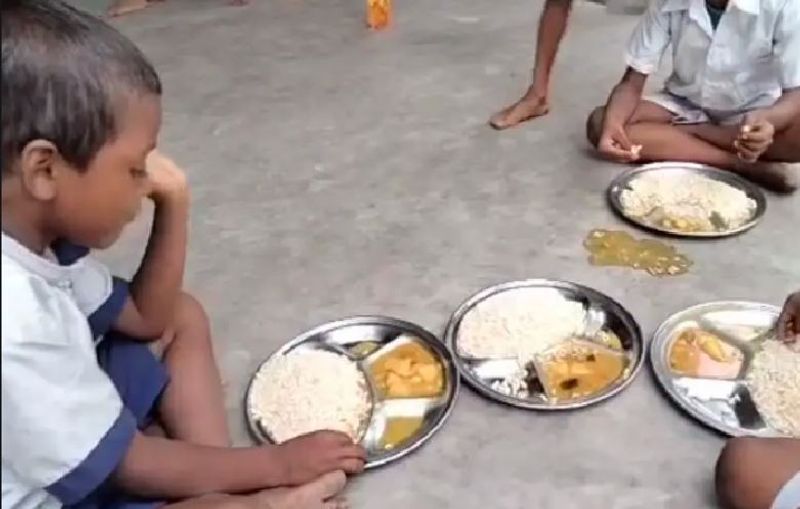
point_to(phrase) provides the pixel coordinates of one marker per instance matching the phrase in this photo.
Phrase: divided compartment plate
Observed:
(602, 314)
(364, 339)
(724, 405)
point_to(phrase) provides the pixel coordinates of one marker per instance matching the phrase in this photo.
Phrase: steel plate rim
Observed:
(428, 337)
(619, 183)
(661, 337)
(475, 383)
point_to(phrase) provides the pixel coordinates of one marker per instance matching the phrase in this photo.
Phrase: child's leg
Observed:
(751, 472)
(786, 147)
(651, 127)
(320, 494)
(192, 407)
(552, 26)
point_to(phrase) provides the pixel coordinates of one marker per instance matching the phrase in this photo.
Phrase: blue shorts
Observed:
(140, 379)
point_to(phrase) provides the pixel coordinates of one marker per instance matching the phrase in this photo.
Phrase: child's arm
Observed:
(758, 128)
(646, 48)
(782, 114)
(162, 468)
(155, 287)
(624, 99)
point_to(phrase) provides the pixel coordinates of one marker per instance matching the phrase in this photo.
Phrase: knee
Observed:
(594, 125)
(732, 475)
(191, 321)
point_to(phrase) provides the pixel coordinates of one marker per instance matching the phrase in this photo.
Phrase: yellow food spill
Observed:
(576, 371)
(379, 13)
(700, 353)
(408, 371)
(620, 249)
(399, 430)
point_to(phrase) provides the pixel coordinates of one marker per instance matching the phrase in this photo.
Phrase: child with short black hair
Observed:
(732, 100)
(110, 392)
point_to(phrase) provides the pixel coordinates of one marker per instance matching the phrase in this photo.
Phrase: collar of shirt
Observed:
(748, 6)
(698, 11)
(50, 271)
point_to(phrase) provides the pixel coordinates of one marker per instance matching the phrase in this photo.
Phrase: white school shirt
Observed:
(746, 63)
(64, 427)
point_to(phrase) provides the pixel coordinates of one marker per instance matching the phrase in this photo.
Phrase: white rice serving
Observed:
(307, 391)
(520, 323)
(774, 381)
(689, 197)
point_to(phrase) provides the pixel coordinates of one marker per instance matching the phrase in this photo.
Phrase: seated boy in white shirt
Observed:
(81, 387)
(732, 100)
(763, 473)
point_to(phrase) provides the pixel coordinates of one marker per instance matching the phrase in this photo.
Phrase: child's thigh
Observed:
(651, 113)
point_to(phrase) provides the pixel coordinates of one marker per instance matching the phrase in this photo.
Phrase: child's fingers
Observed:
(351, 465)
(617, 153)
(746, 153)
(327, 486)
(353, 452)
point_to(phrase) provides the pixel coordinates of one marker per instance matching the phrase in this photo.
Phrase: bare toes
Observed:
(524, 110)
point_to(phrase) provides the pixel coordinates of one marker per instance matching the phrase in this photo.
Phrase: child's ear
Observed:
(37, 169)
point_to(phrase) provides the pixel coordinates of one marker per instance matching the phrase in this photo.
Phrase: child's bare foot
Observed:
(779, 177)
(531, 105)
(122, 7)
(320, 494)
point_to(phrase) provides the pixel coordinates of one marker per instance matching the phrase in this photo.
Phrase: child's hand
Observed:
(615, 145)
(167, 180)
(307, 457)
(755, 137)
(789, 321)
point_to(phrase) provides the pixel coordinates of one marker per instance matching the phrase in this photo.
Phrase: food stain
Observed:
(399, 430)
(620, 249)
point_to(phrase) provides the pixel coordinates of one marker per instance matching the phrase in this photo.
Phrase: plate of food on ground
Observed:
(386, 383)
(687, 199)
(723, 364)
(545, 345)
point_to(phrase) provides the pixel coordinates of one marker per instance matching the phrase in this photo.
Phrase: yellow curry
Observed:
(408, 371)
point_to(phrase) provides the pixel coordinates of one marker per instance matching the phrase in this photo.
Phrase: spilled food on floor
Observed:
(609, 248)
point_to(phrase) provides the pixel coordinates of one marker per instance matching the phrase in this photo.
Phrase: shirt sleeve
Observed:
(99, 295)
(787, 44)
(64, 427)
(650, 40)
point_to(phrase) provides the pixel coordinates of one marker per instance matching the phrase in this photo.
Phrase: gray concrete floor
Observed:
(339, 172)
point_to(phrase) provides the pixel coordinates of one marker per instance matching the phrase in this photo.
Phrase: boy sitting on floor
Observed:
(732, 101)
(762, 473)
(90, 417)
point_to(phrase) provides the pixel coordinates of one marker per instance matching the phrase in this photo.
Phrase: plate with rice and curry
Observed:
(722, 363)
(687, 200)
(386, 383)
(545, 345)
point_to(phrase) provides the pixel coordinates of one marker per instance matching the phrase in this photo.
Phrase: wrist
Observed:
(178, 198)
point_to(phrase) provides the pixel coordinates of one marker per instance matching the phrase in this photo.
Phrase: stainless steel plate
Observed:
(724, 405)
(387, 333)
(623, 181)
(603, 314)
